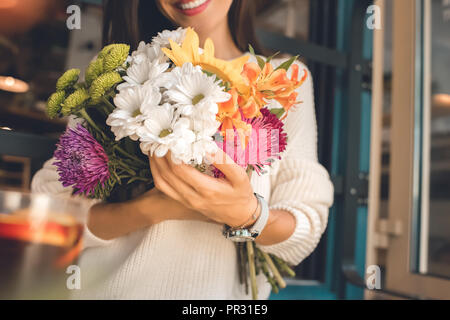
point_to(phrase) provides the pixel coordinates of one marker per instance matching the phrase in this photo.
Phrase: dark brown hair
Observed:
(132, 21)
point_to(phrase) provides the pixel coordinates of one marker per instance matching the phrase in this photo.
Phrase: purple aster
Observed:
(81, 161)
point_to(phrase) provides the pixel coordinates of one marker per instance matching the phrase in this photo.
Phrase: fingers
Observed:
(234, 173)
(160, 183)
(183, 191)
(200, 182)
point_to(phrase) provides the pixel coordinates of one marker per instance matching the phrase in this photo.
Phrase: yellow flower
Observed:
(228, 71)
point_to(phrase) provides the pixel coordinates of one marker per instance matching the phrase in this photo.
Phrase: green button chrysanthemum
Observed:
(103, 84)
(94, 70)
(54, 104)
(74, 101)
(105, 50)
(115, 56)
(68, 79)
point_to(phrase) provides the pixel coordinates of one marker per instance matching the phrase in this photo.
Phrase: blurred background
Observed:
(383, 110)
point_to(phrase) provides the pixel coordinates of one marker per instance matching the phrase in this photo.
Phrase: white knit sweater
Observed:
(192, 259)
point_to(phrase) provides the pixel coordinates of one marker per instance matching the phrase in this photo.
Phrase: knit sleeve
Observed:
(46, 181)
(300, 185)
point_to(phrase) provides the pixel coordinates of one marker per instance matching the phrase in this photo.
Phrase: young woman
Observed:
(168, 243)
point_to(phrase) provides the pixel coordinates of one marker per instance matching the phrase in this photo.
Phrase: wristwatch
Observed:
(250, 234)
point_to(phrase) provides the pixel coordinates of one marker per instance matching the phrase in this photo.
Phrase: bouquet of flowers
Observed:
(172, 95)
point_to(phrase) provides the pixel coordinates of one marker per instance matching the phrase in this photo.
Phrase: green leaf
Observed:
(287, 64)
(261, 61)
(208, 73)
(117, 178)
(278, 112)
(272, 56)
(252, 51)
(132, 180)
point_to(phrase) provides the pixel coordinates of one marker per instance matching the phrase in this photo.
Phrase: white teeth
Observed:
(192, 4)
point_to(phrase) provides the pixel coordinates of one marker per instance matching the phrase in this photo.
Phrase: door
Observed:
(410, 235)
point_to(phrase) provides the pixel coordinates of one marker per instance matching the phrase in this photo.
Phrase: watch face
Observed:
(241, 238)
(239, 235)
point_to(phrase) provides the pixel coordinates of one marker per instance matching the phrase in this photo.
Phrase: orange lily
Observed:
(269, 84)
(230, 117)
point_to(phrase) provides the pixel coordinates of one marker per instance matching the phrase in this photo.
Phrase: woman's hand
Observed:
(112, 220)
(229, 201)
(157, 207)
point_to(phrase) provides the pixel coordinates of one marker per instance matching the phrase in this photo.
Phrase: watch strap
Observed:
(261, 222)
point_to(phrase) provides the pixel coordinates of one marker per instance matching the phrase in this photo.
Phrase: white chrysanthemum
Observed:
(163, 37)
(142, 71)
(203, 145)
(163, 131)
(189, 86)
(148, 51)
(204, 124)
(132, 106)
(203, 118)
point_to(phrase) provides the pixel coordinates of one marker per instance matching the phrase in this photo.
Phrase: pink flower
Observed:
(266, 142)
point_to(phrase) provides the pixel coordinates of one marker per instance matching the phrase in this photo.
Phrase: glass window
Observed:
(435, 223)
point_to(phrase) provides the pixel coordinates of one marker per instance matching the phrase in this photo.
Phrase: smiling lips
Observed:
(192, 7)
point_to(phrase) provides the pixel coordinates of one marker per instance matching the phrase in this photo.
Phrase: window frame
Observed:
(406, 198)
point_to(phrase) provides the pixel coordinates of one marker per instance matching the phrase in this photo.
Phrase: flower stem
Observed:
(126, 168)
(86, 117)
(283, 266)
(266, 272)
(275, 272)
(123, 152)
(240, 267)
(105, 110)
(244, 263)
(140, 179)
(108, 104)
(251, 263)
